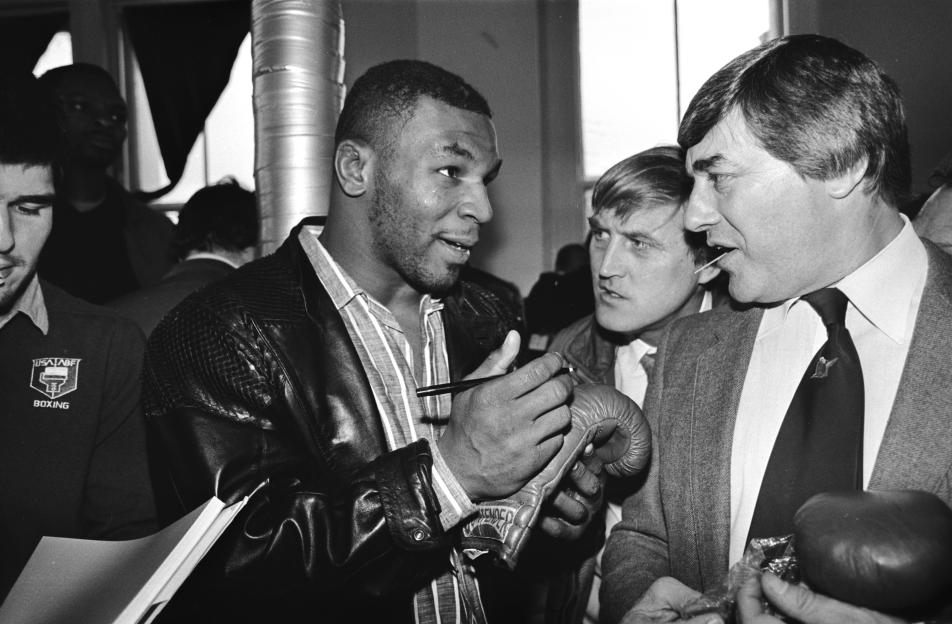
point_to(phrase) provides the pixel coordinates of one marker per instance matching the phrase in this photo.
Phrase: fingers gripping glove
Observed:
(602, 416)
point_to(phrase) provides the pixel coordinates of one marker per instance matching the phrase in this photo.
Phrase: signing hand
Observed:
(503, 432)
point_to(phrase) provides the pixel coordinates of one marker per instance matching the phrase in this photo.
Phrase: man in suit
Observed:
(646, 271)
(217, 232)
(800, 158)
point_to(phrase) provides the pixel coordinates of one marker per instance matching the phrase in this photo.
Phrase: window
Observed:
(643, 60)
(58, 53)
(225, 148)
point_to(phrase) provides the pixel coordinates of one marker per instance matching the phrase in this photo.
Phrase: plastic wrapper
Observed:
(773, 554)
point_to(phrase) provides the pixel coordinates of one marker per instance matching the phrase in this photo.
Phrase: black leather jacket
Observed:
(255, 379)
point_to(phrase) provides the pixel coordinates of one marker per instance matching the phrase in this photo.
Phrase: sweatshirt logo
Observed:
(54, 377)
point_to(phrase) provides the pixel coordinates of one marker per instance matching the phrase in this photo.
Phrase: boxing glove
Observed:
(601, 416)
(890, 551)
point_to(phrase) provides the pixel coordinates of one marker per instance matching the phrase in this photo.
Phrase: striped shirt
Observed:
(387, 359)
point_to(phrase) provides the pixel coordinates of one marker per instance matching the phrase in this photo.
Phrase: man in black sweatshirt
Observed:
(72, 449)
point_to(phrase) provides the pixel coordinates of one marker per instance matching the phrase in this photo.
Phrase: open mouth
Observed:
(457, 246)
(719, 252)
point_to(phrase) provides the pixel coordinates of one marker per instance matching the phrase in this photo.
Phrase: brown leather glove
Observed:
(890, 550)
(601, 416)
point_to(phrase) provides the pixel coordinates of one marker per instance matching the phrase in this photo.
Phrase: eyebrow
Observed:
(455, 149)
(704, 164)
(34, 199)
(638, 233)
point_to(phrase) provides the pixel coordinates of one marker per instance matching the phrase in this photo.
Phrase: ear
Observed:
(352, 167)
(708, 273)
(842, 185)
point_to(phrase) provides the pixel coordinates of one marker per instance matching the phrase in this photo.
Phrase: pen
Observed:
(466, 384)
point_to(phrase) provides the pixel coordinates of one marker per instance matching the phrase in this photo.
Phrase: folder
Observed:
(113, 582)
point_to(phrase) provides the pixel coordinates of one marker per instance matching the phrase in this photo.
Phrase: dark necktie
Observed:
(820, 444)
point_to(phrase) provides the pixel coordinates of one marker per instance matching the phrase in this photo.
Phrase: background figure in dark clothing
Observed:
(104, 242)
(217, 232)
(72, 440)
(505, 290)
(559, 297)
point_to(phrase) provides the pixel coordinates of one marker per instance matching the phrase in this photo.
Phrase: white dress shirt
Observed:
(884, 295)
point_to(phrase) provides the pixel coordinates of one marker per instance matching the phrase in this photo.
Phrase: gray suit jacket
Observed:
(678, 523)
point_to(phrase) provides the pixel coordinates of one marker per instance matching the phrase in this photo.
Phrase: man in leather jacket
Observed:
(295, 378)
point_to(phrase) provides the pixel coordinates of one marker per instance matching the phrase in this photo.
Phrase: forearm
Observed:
(377, 529)
(631, 562)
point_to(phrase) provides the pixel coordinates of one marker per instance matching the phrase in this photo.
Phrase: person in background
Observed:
(933, 220)
(217, 232)
(104, 242)
(72, 436)
(644, 273)
(833, 375)
(559, 297)
(296, 378)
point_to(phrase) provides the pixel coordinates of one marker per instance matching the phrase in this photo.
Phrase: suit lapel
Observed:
(916, 451)
(718, 380)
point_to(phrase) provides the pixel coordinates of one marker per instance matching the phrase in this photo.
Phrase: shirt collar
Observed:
(900, 267)
(902, 264)
(32, 304)
(341, 288)
(707, 303)
(638, 348)
(209, 255)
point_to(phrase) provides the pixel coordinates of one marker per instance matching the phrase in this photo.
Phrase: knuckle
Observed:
(544, 367)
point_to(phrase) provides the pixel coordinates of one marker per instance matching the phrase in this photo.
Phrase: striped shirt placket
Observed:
(387, 358)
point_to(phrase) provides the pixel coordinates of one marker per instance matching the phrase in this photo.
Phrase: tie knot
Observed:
(830, 304)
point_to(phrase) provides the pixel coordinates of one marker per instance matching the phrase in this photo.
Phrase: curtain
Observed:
(24, 39)
(185, 54)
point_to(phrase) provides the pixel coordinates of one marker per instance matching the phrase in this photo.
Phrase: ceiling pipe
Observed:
(297, 49)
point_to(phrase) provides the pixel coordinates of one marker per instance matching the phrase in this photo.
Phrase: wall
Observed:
(495, 46)
(522, 54)
(912, 41)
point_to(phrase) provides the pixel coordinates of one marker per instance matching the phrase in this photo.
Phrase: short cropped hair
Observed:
(384, 98)
(223, 215)
(54, 77)
(816, 104)
(654, 177)
(29, 129)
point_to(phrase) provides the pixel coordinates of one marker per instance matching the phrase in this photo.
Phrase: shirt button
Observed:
(418, 535)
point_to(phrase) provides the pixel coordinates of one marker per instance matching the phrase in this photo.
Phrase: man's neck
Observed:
(652, 335)
(83, 188)
(381, 282)
(867, 228)
(342, 240)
